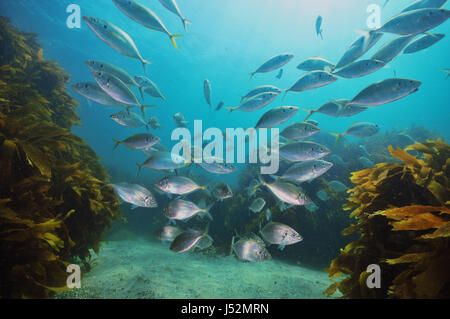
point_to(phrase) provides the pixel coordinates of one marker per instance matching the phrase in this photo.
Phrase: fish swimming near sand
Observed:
(286, 192)
(180, 209)
(134, 194)
(168, 233)
(280, 234)
(251, 249)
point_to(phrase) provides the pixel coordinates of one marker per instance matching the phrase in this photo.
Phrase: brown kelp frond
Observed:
(403, 218)
(52, 206)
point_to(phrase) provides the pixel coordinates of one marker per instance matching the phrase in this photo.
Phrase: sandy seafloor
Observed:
(146, 269)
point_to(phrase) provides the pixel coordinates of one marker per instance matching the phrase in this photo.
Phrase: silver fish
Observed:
(280, 234)
(273, 63)
(303, 151)
(148, 86)
(115, 38)
(385, 91)
(118, 90)
(367, 163)
(359, 69)
(316, 64)
(214, 165)
(358, 48)
(392, 48)
(261, 89)
(257, 205)
(364, 150)
(136, 195)
(154, 150)
(172, 6)
(287, 192)
(123, 75)
(164, 161)
(422, 4)
(348, 110)
(423, 42)
(92, 91)
(204, 242)
(138, 141)
(319, 29)
(337, 160)
(415, 21)
(299, 131)
(180, 209)
(219, 106)
(144, 16)
(312, 80)
(337, 186)
(129, 119)
(168, 233)
(186, 241)
(306, 171)
(178, 185)
(358, 129)
(331, 108)
(255, 103)
(250, 249)
(207, 91)
(312, 122)
(276, 116)
(312, 207)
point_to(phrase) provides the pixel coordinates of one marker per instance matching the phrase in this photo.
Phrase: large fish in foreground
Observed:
(385, 91)
(172, 6)
(306, 171)
(115, 38)
(118, 90)
(298, 131)
(136, 195)
(422, 4)
(92, 91)
(286, 192)
(358, 48)
(168, 233)
(180, 209)
(250, 249)
(148, 86)
(312, 80)
(143, 15)
(273, 63)
(414, 22)
(358, 129)
(280, 234)
(178, 185)
(303, 151)
(255, 103)
(276, 116)
(187, 241)
(423, 42)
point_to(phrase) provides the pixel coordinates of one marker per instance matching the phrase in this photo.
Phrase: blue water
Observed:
(226, 41)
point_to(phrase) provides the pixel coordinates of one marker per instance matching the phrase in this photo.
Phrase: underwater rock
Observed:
(403, 218)
(53, 207)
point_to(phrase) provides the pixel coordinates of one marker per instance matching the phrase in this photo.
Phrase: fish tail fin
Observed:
(139, 169)
(173, 37)
(320, 33)
(285, 93)
(338, 137)
(143, 107)
(310, 112)
(185, 23)
(117, 143)
(230, 109)
(261, 182)
(144, 64)
(142, 93)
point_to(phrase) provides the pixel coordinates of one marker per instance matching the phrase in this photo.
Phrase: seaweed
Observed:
(403, 219)
(53, 208)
